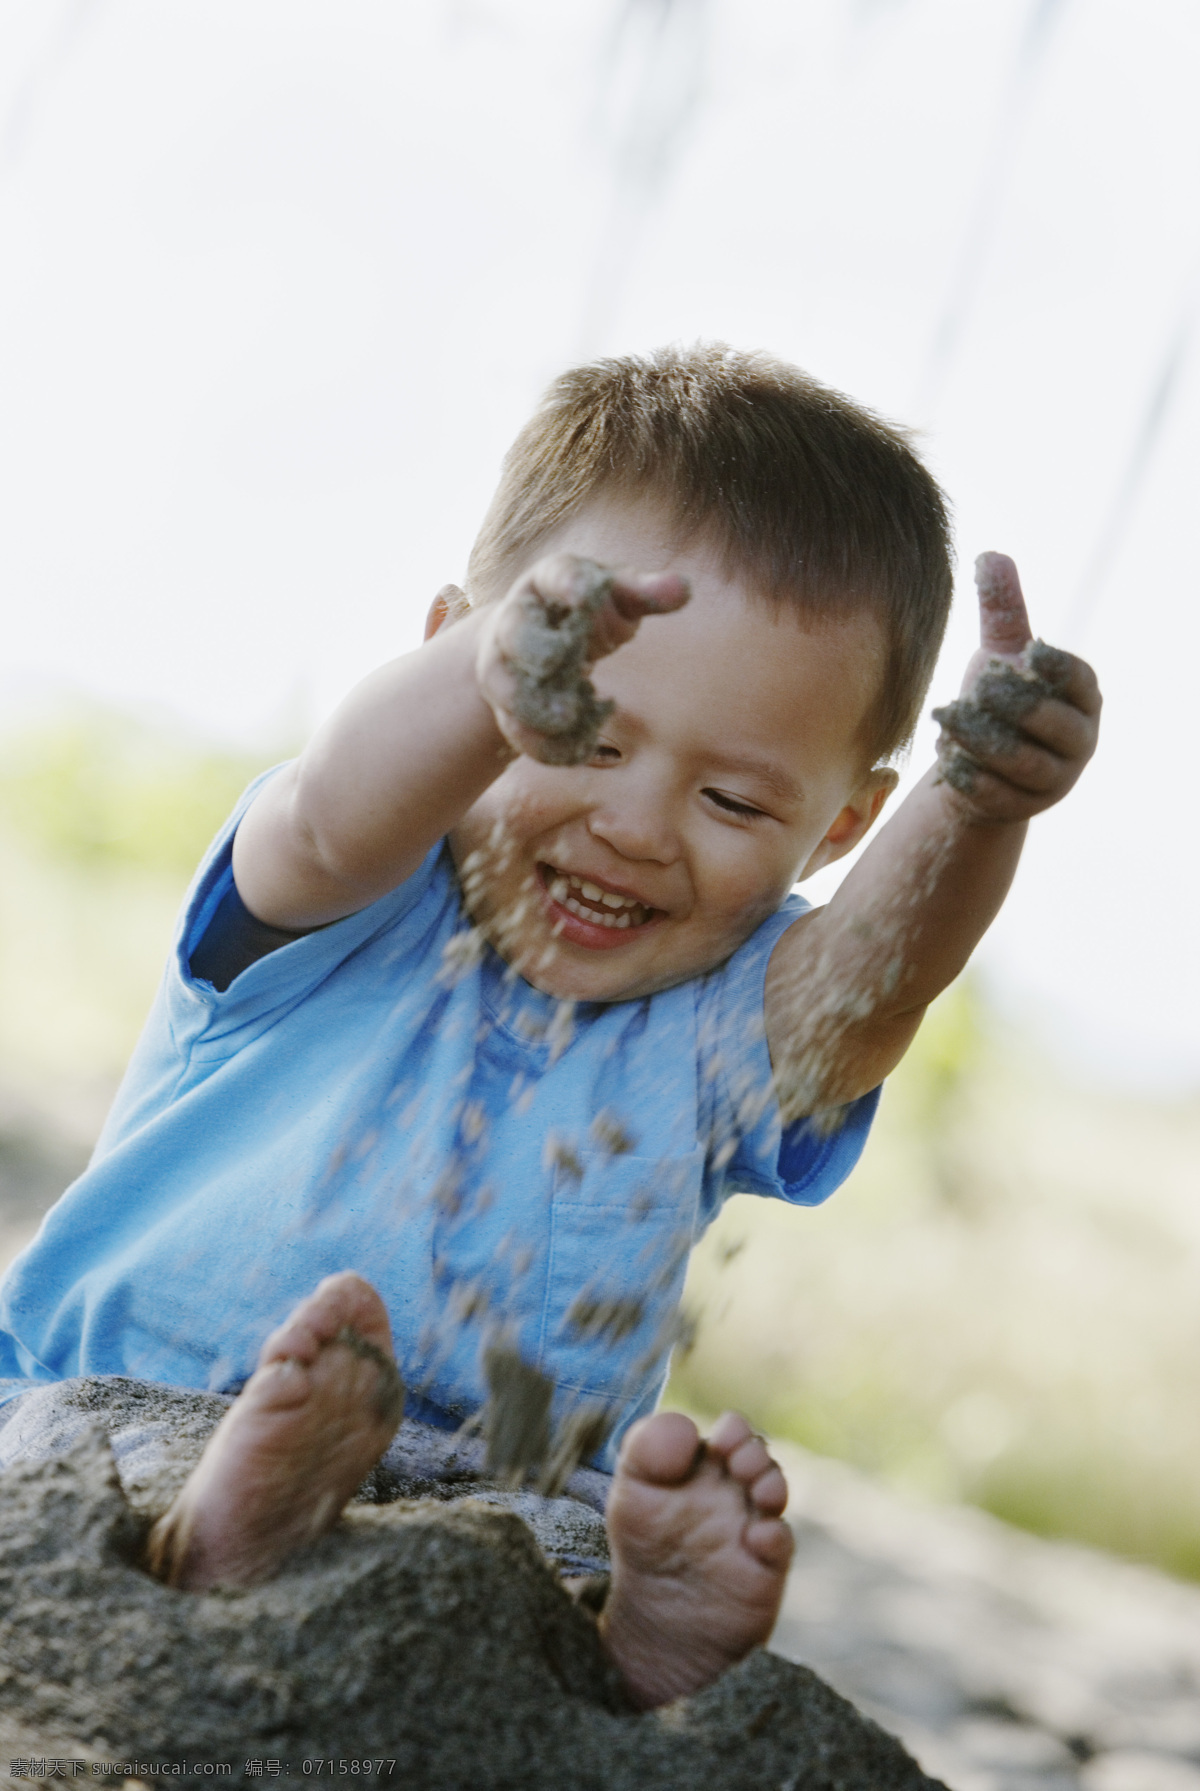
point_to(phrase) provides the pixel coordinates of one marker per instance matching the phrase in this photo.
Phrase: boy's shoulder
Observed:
(748, 964)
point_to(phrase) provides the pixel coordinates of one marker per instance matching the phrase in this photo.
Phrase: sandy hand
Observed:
(1017, 738)
(545, 637)
(318, 1412)
(700, 1554)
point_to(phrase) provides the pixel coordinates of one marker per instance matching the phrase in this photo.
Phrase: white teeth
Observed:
(597, 920)
(593, 892)
(624, 911)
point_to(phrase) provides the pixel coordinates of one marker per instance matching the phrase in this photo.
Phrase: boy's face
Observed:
(732, 764)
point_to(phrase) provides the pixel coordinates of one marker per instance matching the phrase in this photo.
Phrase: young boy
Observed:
(480, 1008)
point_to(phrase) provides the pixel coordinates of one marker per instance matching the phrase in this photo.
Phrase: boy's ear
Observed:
(449, 604)
(855, 820)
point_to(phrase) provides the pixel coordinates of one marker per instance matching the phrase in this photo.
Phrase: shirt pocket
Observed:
(621, 1230)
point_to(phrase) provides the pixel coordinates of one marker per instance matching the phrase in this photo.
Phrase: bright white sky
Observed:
(279, 279)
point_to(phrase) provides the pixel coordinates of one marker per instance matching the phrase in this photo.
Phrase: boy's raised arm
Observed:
(416, 743)
(847, 984)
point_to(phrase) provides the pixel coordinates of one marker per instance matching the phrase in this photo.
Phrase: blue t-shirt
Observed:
(383, 1095)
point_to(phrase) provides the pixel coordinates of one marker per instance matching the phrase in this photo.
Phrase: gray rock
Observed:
(428, 1633)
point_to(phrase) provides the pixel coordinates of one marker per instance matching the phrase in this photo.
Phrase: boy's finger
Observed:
(572, 581)
(1020, 764)
(1075, 682)
(649, 594)
(1003, 620)
(1061, 728)
(990, 793)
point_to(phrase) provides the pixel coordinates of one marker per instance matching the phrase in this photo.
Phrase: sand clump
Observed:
(552, 644)
(427, 1633)
(988, 721)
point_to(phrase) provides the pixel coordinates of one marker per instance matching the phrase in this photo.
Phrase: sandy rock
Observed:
(431, 1634)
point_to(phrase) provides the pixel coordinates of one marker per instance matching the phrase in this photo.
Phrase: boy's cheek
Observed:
(746, 901)
(757, 875)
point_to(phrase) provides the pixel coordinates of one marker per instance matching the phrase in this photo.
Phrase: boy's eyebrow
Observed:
(766, 773)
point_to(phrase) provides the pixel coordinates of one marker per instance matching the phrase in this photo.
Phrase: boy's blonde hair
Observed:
(810, 499)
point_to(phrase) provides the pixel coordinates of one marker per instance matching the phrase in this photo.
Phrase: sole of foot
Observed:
(700, 1554)
(318, 1412)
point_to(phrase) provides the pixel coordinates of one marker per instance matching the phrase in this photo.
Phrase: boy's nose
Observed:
(638, 826)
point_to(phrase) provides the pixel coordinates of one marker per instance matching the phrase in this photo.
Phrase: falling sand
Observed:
(431, 1630)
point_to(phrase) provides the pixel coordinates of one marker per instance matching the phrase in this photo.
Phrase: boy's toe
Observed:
(280, 1384)
(749, 1461)
(770, 1541)
(661, 1449)
(294, 1340)
(729, 1433)
(769, 1493)
(346, 1299)
(337, 1302)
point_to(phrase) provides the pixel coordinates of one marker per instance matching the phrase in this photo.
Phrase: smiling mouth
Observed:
(589, 902)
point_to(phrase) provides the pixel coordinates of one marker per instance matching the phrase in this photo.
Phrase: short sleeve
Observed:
(273, 984)
(750, 1150)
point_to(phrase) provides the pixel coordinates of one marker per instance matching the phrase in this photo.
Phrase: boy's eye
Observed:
(731, 805)
(604, 753)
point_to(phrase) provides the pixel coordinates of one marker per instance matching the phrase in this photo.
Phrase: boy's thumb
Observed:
(1003, 619)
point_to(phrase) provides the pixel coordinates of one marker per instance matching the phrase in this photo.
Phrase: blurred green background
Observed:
(998, 1307)
(102, 821)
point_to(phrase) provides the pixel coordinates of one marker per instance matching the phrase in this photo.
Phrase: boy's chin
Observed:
(571, 973)
(564, 982)
(563, 977)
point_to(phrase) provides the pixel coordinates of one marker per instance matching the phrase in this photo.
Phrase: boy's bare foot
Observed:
(318, 1412)
(700, 1553)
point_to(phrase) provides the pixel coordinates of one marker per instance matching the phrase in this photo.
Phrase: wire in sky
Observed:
(1120, 512)
(649, 93)
(976, 241)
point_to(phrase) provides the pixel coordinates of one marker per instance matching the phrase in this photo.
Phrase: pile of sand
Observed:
(427, 1633)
